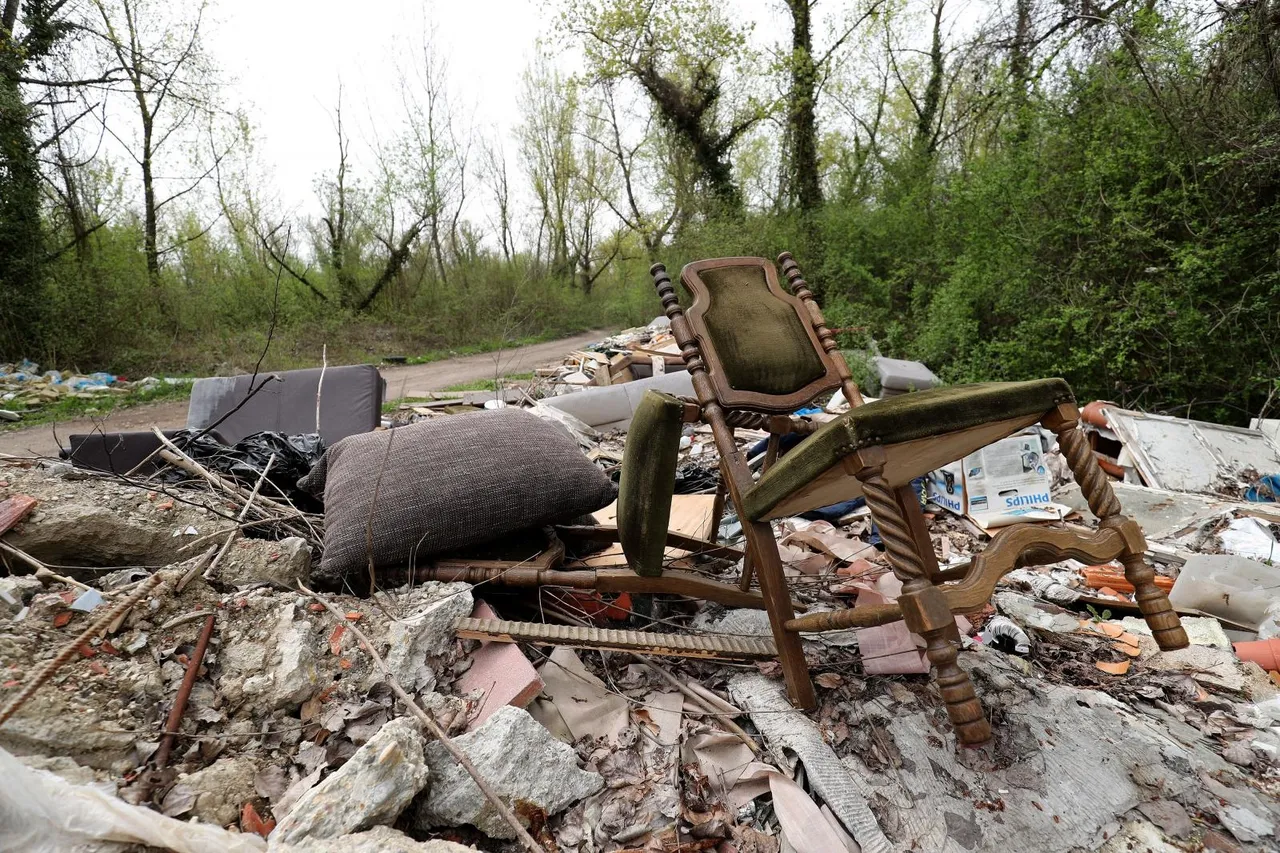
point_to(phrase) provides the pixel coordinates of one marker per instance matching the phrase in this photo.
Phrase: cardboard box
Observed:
(1001, 484)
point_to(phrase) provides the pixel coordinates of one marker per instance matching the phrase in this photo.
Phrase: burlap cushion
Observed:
(446, 484)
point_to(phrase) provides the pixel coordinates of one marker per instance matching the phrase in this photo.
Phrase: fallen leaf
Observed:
(1117, 668)
(180, 800)
(829, 680)
(300, 787)
(251, 822)
(271, 782)
(769, 668)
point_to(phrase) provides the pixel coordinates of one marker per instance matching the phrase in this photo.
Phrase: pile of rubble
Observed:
(639, 353)
(169, 678)
(24, 388)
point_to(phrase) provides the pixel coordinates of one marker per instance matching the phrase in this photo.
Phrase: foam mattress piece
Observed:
(118, 452)
(611, 407)
(350, 403)
(899, 375)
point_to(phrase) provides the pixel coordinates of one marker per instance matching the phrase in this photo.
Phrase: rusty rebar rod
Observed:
(184, 693)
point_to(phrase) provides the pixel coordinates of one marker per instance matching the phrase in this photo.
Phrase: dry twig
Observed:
(432, 726)
(213, 566)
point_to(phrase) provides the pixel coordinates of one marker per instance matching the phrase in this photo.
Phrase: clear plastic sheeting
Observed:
(42, 813)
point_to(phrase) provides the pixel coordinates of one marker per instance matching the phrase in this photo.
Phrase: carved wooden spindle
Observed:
(826, 337)
(924, 606)
(689, 350)
(760, 542)
(1165, 626)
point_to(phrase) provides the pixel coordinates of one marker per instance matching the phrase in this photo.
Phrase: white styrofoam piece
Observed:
(611, 406)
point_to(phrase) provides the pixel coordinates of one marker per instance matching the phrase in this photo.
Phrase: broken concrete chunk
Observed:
(371, 789)
(64, 768)
(17, 591)
(95, 522)
(250, 561)
(222, 788)
(1032, 613)
(1201, 630)
(518, 758)
(1216, 668)
(1245, 824)
(380, 839)
(294, 677)
(425, 633)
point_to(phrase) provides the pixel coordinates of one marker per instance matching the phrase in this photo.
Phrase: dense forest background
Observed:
(1001, 190)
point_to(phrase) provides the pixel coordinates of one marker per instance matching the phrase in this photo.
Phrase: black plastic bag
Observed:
(247, 458)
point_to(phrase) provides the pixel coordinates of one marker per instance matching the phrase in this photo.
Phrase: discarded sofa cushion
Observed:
(445, 484)
(648, 481)
(120, 452)
(350, 402)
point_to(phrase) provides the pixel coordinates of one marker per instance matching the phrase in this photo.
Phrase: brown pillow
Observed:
(445, 484)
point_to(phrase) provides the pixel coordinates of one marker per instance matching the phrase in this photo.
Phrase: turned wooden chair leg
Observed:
(770, 456)
(717, 510)
(924, 606)
(777, 601)
(1165, 625)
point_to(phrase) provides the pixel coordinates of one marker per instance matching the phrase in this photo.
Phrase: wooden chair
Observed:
(756, 353)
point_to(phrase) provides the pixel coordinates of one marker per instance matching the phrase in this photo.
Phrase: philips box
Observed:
(1003, 483)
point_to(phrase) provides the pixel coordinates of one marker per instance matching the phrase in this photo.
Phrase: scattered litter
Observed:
(290, 732)
(1004, 483)
(87, 600)
(1005, 634)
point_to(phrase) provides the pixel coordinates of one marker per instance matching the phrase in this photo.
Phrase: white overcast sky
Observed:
(286, 58)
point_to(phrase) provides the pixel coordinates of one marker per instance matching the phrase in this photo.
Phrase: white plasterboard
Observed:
(1190, 456)
(1270, 426)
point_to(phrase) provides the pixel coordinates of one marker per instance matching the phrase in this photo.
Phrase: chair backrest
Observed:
(758, 341)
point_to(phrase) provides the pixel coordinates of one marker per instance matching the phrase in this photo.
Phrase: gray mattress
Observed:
(350, 403)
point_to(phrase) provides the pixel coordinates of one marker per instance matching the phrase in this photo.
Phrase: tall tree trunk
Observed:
(21, 233)
(689, 111)
(926, 138)
(1020, 66)
(150, 243)
(802, 122)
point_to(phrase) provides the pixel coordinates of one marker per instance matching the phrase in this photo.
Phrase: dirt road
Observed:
(402, 381)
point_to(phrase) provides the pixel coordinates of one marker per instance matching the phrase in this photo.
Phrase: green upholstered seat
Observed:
(908, 417)
(758, 337)
(648, 481)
